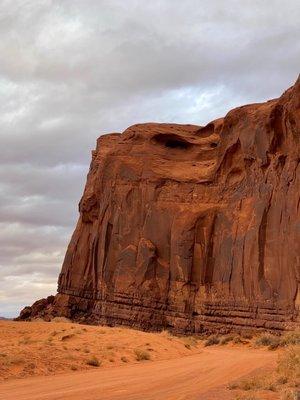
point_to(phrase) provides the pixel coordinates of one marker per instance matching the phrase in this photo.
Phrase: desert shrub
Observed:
(189, 342)
(124, 359)
(268, 340)
(226, 339)
(291, 338)
(141, 355)
(252, 383)
(26, 340)
(257, 382)
(281, 380)
(247, 334)
(275, 344)
(94, 362)
(289, 394)
(238, 340)
(289, 365)
(166, 333)
(212, 340)
(13, 360)
(246, 397)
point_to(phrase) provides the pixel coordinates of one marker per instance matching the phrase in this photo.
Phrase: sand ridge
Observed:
(49, 348)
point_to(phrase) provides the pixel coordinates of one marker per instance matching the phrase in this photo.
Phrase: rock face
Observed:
(191, 228)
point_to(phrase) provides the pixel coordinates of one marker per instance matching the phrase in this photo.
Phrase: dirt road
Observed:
(178, 379)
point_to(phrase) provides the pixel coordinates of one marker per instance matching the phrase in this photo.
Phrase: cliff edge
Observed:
(190, 228)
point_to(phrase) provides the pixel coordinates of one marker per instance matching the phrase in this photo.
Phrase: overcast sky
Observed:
(71, 70)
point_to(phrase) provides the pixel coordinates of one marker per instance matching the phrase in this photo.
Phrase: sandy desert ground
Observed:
(62, 360)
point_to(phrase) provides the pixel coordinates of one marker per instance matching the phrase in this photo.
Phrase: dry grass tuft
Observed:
(12, 360)
(189, 342)
(26, 340)
(289, 365)
(291, 339)
(268, 340)
(212, 340)
(141, 355)
(226, 339)
(286, 379)
(289, 394)
(274, 342)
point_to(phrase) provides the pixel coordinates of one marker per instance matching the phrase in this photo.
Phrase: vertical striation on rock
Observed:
(191, 228)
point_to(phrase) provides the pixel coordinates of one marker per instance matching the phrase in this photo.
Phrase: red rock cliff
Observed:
(191, 228)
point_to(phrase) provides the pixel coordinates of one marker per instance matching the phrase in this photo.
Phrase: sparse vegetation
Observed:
(212, 340)
(26, 340)
(226, 339)
(166, 334)
(291, 339)
(247, 397)
(273, 342)
(141, 355)
(189, 342)
(285, 379)
(247, 334)
(13, 360)
(289, 365)
(75, 347)
(267, 340)
(257, 382)
(289, 394)
(65, 347)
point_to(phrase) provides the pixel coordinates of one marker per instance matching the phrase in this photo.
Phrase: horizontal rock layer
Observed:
(191, 228)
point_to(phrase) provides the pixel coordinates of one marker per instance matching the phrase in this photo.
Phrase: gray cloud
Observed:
(71, 70)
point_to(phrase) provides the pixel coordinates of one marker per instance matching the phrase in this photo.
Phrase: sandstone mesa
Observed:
(190, 228)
